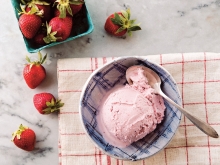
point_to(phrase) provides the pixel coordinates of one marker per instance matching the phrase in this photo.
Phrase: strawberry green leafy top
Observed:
(39, 62)
(50, 35)
(124, 22)
(19, 132)
(52, 106)
(33, 10)
(64, 5)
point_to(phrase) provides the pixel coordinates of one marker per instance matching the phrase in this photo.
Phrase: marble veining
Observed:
(167, 27)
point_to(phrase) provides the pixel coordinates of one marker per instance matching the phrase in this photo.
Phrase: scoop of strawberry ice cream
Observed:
(131, 112)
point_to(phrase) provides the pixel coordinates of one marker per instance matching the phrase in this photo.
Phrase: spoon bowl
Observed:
(154, 81)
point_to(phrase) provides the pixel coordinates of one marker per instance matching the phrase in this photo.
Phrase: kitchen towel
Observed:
(198, 79)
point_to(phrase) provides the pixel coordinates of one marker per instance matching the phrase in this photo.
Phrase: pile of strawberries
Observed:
(34, 74)
(47, 21)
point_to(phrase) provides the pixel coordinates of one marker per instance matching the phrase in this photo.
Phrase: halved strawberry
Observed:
(118, 24)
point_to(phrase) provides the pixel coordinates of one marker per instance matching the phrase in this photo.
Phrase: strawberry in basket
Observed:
(30, 22)
(40, 5)
(67, 8)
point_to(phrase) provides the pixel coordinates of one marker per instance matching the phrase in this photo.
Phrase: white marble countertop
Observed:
(167, 27)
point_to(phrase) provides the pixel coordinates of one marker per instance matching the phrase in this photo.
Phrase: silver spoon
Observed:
(154, 81)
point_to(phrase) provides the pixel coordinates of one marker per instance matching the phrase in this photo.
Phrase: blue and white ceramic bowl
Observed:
(103, 80)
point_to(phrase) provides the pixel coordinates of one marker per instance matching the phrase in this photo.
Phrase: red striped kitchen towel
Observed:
(198, 78)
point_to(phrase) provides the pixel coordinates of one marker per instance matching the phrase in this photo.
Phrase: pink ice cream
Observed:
(130, 112)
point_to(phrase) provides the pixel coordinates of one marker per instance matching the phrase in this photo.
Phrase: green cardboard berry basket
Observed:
(82, 26)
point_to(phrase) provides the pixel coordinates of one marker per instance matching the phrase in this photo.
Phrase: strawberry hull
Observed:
(79, 29)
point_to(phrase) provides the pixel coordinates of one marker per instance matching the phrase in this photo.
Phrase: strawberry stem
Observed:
(52, 106)
(50, 35)
(123, 20)
(19, 132)
(34, 10)
(40, 61)
(64, 5)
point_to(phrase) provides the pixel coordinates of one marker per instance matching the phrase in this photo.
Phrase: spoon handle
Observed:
(203, 126)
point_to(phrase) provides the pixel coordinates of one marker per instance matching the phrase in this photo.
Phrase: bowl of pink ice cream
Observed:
(129, 121)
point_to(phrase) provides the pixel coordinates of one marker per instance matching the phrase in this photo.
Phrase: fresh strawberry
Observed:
(34, 73)
(67, 7)
(46, 103)
(59, 29)
(24, 138)
(119, 24)
(76, 7)
(39, 5)
(29, 22)
(48, 37)
(39, 37)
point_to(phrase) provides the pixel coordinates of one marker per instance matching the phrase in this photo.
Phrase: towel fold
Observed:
(198, 79)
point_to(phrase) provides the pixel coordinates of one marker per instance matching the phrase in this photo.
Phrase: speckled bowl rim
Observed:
(83, 92)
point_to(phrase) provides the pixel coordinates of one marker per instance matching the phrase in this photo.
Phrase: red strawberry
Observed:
(39, 37)
(29, 23)
(76, 8)
(24, 138)
(34, 73)
(119, 24)
(59, 29)
(46, 103)
(41, 6)
(68, 8)
(44, 36)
